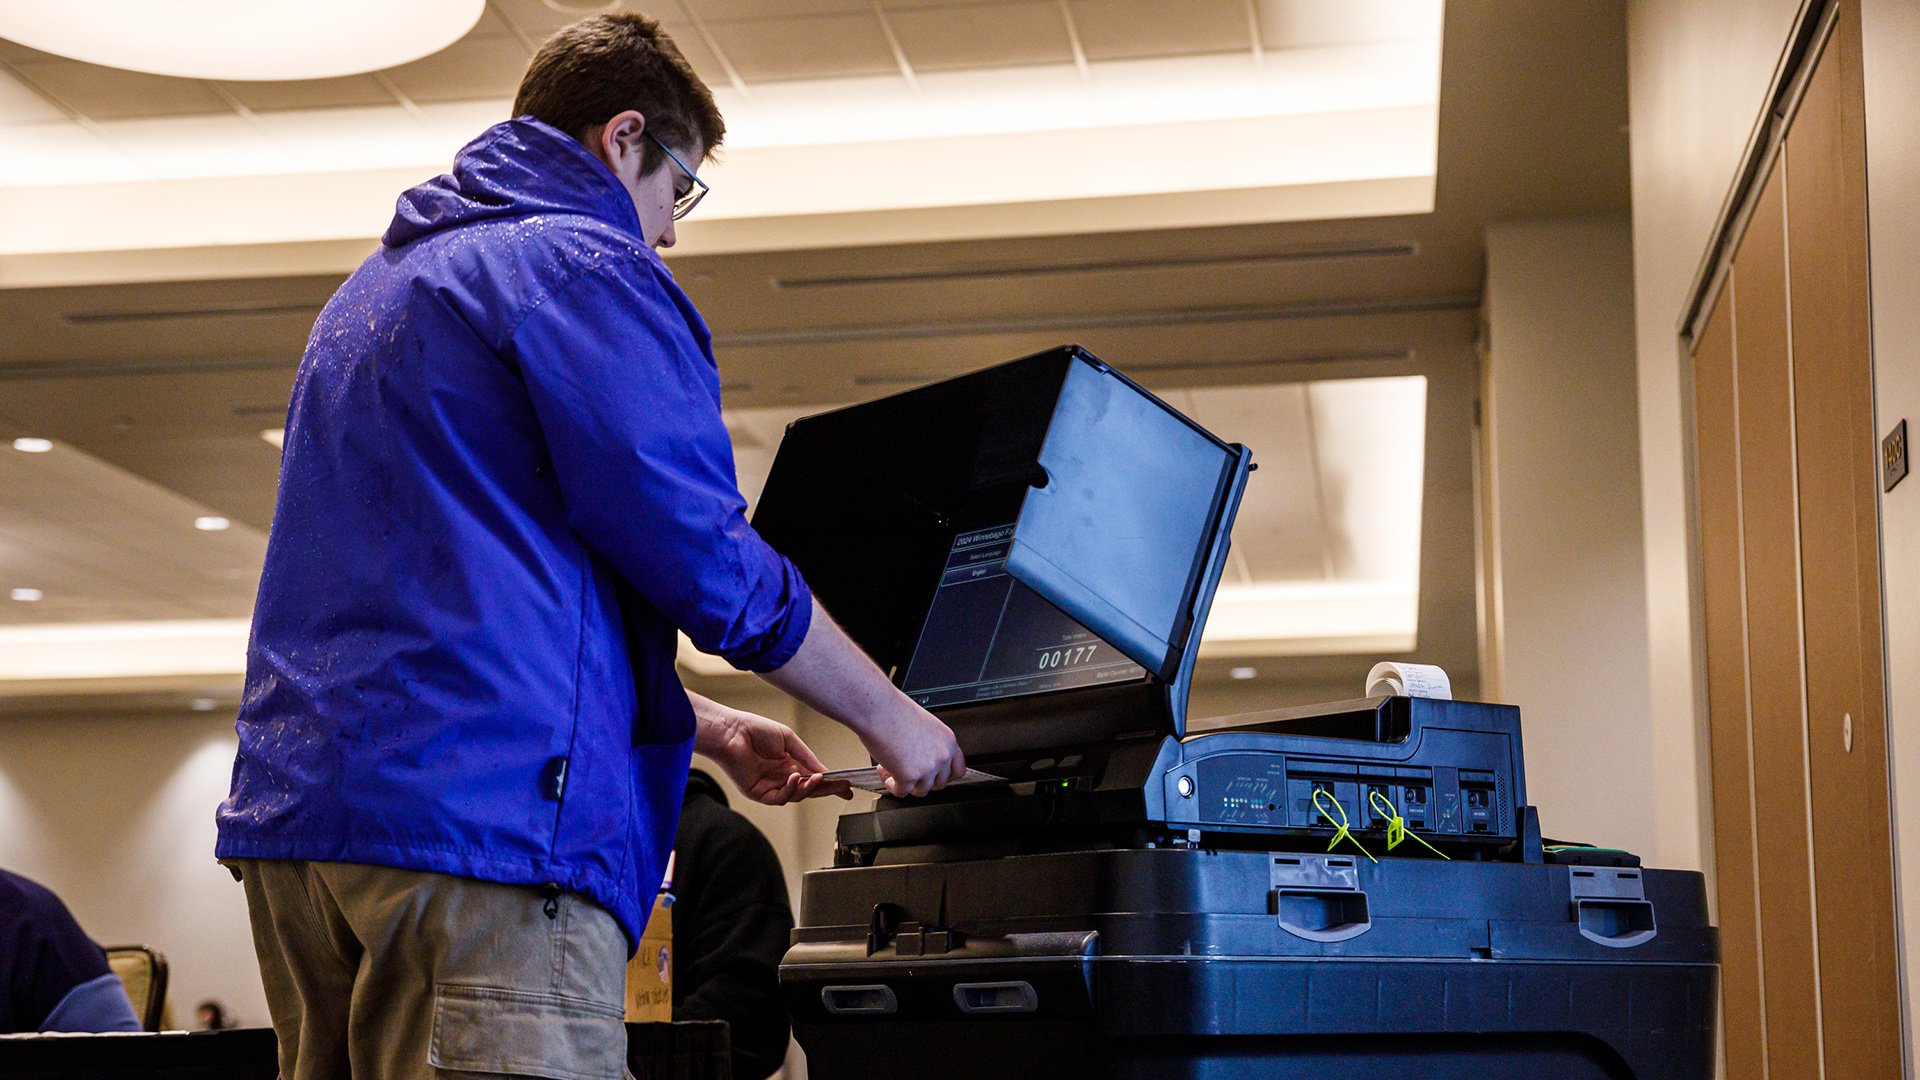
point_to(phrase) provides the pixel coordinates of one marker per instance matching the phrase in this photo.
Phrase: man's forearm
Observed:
(831, 675)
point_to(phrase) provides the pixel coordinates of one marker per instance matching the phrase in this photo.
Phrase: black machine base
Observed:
(1197, 963)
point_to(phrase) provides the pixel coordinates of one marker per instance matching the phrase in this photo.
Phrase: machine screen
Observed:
(988, 636)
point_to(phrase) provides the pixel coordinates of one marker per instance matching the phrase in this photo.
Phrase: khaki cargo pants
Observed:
(380, 974)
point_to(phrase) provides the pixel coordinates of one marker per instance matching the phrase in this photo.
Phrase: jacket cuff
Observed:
(785, 641)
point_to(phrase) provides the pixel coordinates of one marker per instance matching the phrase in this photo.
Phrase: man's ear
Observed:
(618, 142)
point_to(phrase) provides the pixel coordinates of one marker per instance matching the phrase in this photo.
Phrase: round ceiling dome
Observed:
(244, 40)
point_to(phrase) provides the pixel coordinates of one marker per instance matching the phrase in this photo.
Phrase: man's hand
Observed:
(763, 757)
(917, 753)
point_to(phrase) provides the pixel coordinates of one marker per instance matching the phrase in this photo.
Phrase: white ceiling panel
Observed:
(982, 35)
(38, 154)
(983, 102)
(189, 147)
(807, 47)
(336, 140)
(1126, 29)
(816, 111)
(473, 67)
(1286, 24)
(105, 93)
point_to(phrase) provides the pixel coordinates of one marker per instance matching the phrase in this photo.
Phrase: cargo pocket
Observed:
(486, 1029)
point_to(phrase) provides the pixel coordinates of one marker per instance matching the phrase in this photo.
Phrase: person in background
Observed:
(212, 1016)
(731, 921)
(53, 975)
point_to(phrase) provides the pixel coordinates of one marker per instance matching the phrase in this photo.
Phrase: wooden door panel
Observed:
(1717, 461)
(1769, 528)
(1838, 472)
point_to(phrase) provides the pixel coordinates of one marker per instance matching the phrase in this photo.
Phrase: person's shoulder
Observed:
(28, 899)
(580, 243)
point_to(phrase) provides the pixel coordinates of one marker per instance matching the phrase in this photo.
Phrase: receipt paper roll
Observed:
(1409, 680)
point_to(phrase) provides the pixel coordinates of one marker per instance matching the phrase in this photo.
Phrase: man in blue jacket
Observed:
(505, 485)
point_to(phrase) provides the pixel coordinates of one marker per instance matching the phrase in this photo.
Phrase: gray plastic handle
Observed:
(1339, 913)
(1617, 924)
(987, 998)
(873, 1000)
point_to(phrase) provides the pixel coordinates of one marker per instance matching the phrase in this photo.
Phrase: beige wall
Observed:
(116, 816)
(1892, 68)
(1698, 75)
(1567, 575)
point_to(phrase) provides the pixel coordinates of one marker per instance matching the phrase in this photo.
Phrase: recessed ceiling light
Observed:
(202, 704)
(32, 446)
(241, 39)
(26, 595)
(1243, 672)
(211, 524)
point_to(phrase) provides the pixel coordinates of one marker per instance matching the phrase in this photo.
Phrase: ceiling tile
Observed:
(490, 24)
(538, 21)
(469, 69)
(982, 35)
(309, 93)
(20, 104)
(1287, 24)
(190, 147)
(705, 64)
(813, 47)
(1118, 29)
(104, 93)
(40, 154)
(374, 138)
(769, 9)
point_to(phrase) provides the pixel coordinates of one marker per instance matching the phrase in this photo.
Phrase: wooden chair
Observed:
(144, 971)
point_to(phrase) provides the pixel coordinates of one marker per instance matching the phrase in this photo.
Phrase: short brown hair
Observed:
(599, 67)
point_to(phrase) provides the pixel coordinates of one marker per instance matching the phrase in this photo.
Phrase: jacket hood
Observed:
(514, 169)
(699, 783)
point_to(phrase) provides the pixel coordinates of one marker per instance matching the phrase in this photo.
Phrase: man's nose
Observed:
(666, 236)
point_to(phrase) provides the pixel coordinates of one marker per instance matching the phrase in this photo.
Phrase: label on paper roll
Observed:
(1409, 680)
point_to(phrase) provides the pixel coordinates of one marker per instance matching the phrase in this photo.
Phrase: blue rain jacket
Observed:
(505, 484)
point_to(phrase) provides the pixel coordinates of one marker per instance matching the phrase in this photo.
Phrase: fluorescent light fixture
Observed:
(203, 704)
(211, 523)
(245, 40)
(1312, 618)
(26, 596)
(123, 649)
(1243, 672)
(275, 435)
(32, 446)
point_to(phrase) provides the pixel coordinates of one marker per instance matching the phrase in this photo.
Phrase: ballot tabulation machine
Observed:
(1358, 889)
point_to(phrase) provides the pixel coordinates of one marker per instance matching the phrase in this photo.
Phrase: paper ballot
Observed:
(868, 779)
(1409, 680)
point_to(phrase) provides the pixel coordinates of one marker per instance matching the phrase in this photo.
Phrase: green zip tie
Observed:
(1397, 825)
(1342, 830)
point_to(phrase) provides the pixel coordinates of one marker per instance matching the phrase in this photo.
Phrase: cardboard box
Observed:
(650, 972)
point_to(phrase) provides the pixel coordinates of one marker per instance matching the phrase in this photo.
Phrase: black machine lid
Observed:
(1029, 550)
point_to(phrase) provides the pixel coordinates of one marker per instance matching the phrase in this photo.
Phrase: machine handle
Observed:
(987, 998)
(1322, 914)
(873, 1000)
(1616, 923)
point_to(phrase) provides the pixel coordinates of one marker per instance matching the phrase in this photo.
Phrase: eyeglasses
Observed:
(683, 204)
